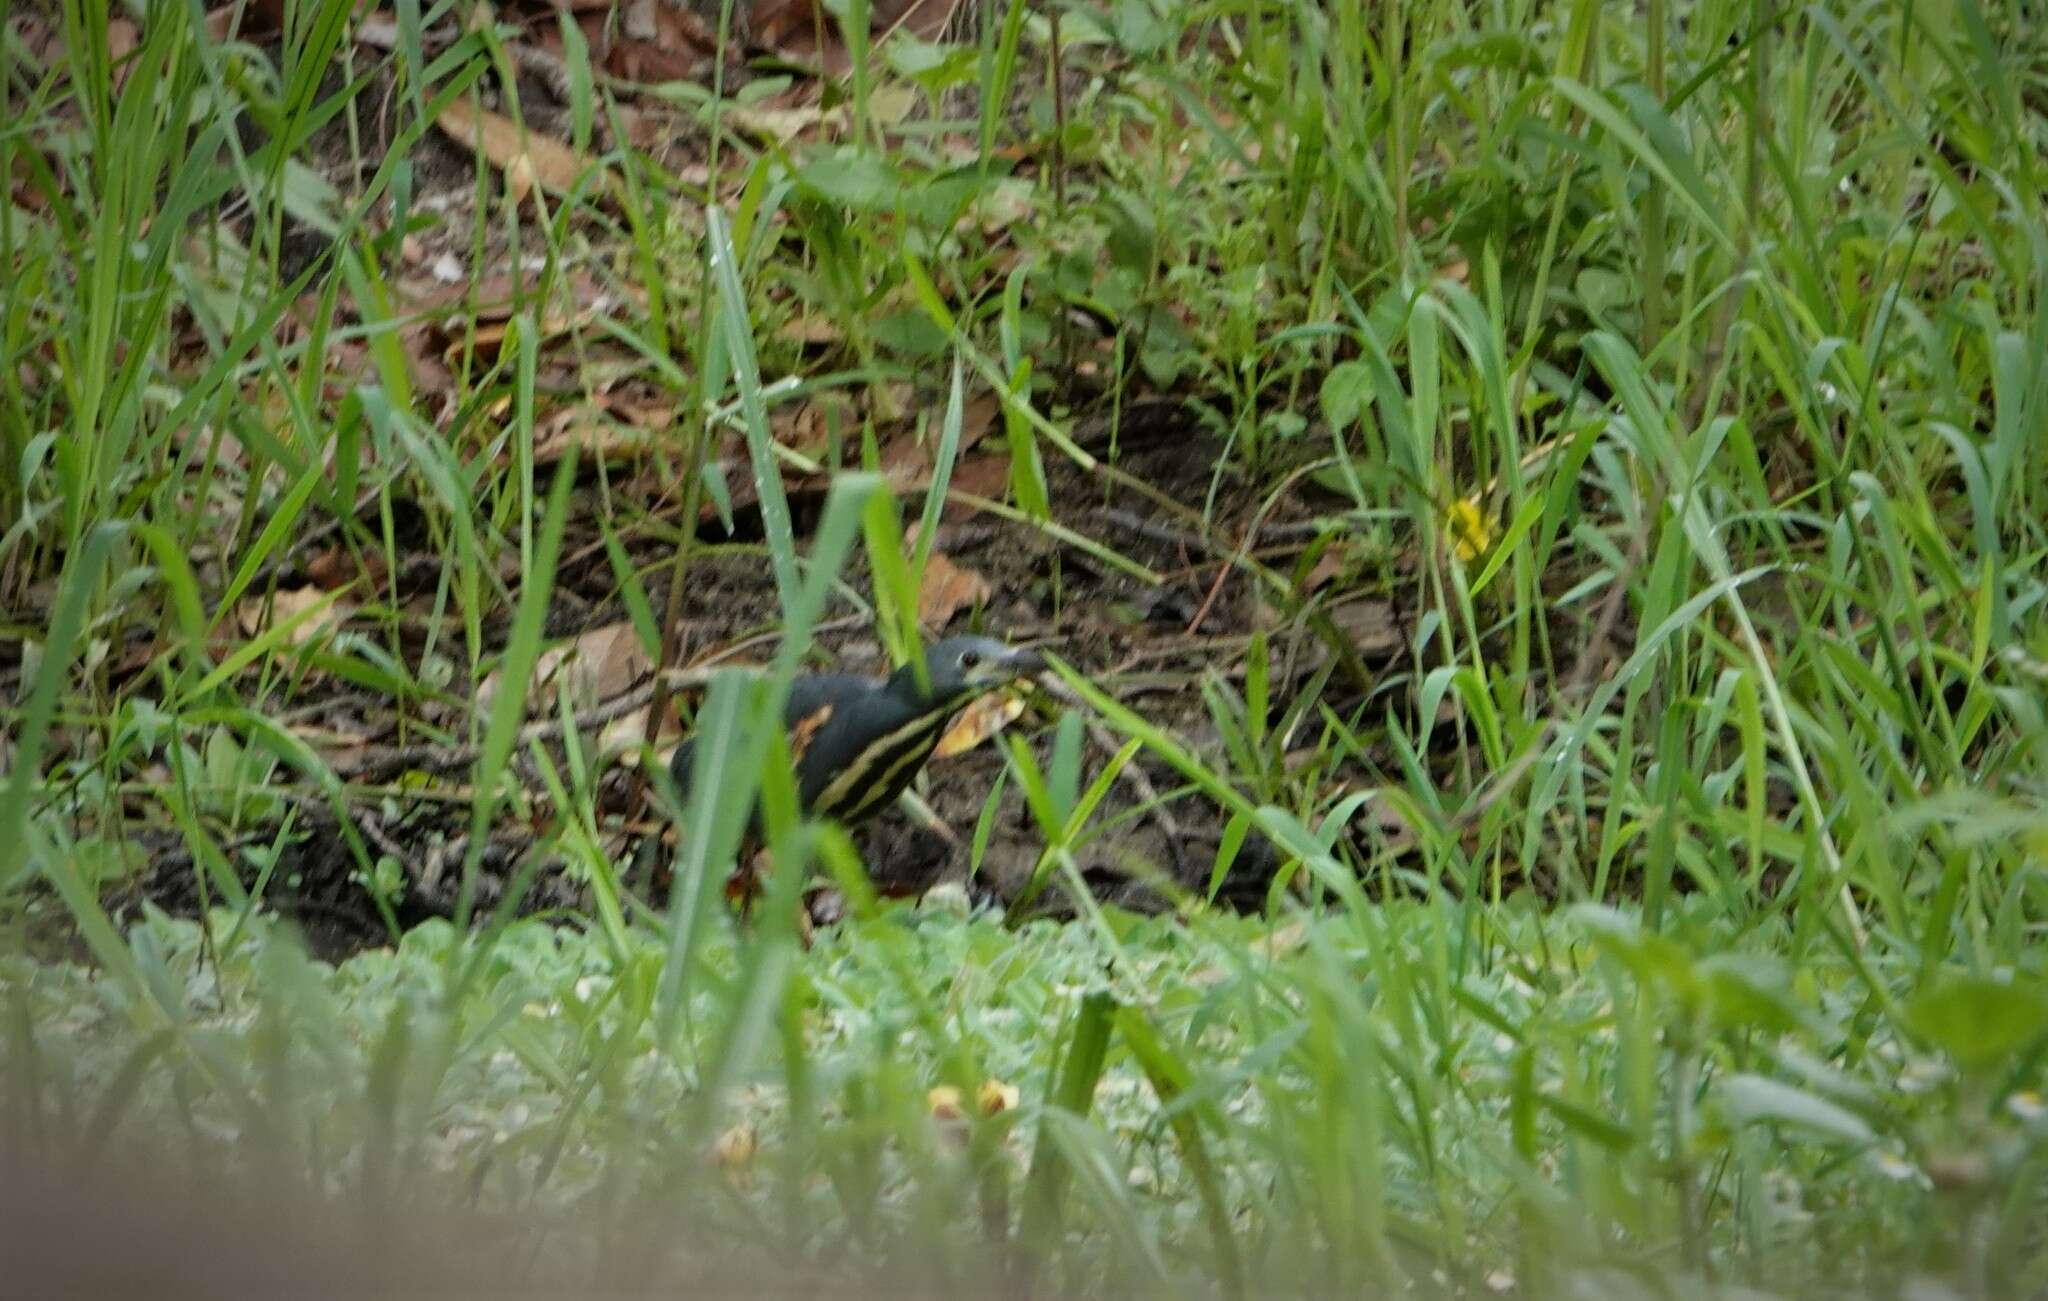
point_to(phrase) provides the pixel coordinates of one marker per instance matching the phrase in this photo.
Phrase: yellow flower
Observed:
(1471, 530)
(944, 1102)
(734, 1149)
(996, 1096)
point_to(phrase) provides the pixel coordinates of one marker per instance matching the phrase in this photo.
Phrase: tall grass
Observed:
(1667, 918)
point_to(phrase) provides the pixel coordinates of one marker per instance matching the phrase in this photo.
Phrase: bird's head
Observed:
(960, 667)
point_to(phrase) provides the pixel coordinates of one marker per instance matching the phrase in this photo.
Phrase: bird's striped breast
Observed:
(881, 771)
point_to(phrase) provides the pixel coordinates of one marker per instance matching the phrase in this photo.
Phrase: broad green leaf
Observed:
(1979, 1021)
(1748, 1099)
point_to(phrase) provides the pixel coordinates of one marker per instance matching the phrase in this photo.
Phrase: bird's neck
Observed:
(904, 686)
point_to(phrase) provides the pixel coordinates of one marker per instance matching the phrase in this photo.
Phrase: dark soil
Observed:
(1130, 636)
(1151, 645)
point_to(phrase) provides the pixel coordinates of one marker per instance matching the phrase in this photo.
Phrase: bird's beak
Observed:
(1023, 662)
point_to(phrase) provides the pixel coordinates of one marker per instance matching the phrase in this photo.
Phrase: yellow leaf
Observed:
(978, 722)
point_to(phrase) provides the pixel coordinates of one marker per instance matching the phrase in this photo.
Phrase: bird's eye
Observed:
(968, 659)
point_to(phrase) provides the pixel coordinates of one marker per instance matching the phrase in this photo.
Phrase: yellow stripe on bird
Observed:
(890, 760)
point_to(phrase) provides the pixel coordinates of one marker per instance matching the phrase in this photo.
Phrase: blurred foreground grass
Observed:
(1696, 346)
(1421, 1095)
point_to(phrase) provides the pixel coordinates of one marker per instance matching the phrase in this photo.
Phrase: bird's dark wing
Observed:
(872, 746)
(811, 702)
(680, 765)
(815, 691)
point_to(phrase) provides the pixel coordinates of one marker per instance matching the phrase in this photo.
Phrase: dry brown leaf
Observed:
(1334, 561)
(795, 28)
(649, 132)
(985, 475)
(1370, 626)
(488, 300)
(488, 339)
(947, 589)
(309, 612)
(810, 329)
(42, 39)
(620, 739)
(905, 465)
(786, 25)
(328, 741)
(782, 125)
(605, 662)
(806, 427)
(982, 719)
(258, 19)
(640, 412)
(925, 19)
(463, 317)
(527, 158)
(122, 38)
(658, 41)
(1389, 827)
(431, 377)
(602, 663)
(893, 400)
(595, 438)
(739, 485)
(976, 419)
(338, 566)
(649, 64)
(21, 187)
(1009, 202)
(889, 106)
